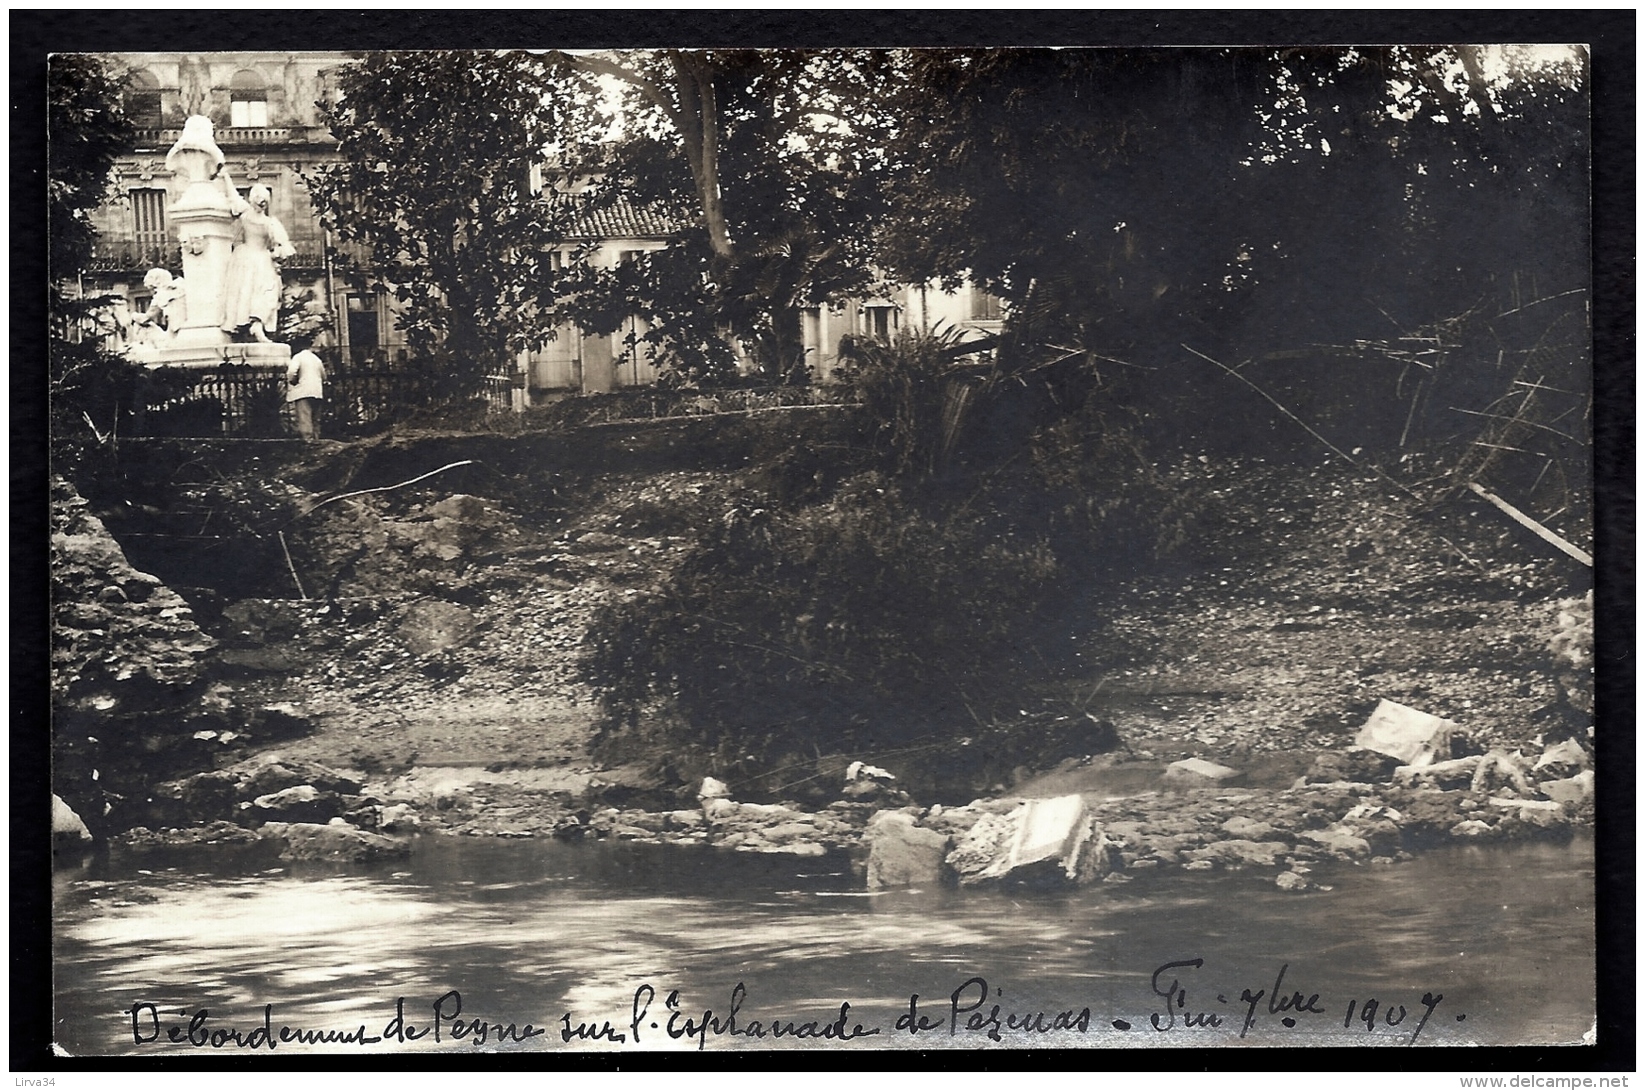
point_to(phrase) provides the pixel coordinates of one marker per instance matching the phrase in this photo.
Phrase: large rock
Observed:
(264, 776)
(65, 823)
(197, 800)
(1241, 853)
(119, 636)
(901, 853)
(1565, 758)
(1500, 769)
(303, 803)
(1339, 841)
(1353, 764)
(338, 842)
(127, 673)
(1199, 773)
(1379, 827)
(1414, 737)
(1570, 790)
(1247, 829)
(1042, 841)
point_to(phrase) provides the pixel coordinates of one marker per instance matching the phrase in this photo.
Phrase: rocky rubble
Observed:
(132, 701)
(461, 616)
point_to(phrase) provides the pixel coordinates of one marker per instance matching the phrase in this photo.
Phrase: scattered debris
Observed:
(1042, 840)
(1415, 738)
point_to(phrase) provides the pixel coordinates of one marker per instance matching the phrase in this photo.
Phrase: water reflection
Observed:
(526, 931)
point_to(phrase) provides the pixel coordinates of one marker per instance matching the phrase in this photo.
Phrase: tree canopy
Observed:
(776, 160)
(433, 186)
(1249, 198)
(88, 130)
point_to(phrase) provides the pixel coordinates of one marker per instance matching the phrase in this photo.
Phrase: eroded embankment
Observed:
(427, 682)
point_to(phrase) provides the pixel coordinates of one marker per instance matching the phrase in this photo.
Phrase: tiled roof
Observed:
(618, 219)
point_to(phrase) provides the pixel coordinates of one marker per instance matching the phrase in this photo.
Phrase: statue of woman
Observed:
(251, 290)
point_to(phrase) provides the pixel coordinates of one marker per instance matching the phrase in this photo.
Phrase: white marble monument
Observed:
(204, 214)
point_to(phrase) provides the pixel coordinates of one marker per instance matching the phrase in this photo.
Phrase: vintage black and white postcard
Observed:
(618, 550)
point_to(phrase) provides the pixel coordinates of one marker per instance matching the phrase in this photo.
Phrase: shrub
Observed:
(852, 624)
(930, 597)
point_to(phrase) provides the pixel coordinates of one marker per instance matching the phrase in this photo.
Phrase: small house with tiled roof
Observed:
(578, 362)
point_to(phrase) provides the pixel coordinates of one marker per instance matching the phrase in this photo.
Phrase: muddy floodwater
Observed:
(473, 938)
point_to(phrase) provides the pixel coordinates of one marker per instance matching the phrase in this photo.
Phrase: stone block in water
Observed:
(901, 853)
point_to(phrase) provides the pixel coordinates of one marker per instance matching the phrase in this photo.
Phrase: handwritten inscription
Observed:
(974, 1012)
(1286, 1006)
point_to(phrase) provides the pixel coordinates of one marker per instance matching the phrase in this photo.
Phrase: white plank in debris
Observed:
(1412, 736)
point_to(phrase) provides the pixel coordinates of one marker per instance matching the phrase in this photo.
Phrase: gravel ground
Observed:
(1326, 590)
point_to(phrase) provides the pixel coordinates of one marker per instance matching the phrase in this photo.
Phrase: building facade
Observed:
(971, 313)
(574, 362)
(264, 109)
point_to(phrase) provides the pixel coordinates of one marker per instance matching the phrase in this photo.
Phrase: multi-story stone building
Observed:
(263, 106)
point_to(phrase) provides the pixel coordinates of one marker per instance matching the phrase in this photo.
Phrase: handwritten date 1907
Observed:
(1289, 1006)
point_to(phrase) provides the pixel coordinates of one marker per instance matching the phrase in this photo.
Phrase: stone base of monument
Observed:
(252, 353)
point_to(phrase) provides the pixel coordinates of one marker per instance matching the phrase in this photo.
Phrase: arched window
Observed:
(143, 100)
(248, 100)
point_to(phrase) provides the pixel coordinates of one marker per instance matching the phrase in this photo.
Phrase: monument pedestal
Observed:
(268, 355)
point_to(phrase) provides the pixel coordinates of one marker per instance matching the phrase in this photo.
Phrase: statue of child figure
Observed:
(148, 332)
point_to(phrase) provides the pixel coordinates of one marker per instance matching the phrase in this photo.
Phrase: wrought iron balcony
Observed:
(132, 257)
(228, 135)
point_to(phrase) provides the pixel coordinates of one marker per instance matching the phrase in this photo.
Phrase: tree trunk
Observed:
(699, 131)
(788, 337)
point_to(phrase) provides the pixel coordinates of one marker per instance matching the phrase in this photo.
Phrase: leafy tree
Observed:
(778, 158)
(87, 130)
(437, 153)
(1247, 199)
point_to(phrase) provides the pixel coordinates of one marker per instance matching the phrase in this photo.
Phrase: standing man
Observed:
(306, 387)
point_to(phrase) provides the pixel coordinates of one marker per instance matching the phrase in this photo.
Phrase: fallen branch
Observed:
(389, 488)
(1517, 420)
(1338, 451)
(1544, 299)
(1533, 526)
(290, 566)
